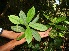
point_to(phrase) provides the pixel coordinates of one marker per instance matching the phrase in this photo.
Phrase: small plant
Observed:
(31, 25)
(58, 31)
(58, 23)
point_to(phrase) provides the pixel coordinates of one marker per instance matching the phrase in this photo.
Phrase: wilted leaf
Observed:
(36, 35)
(28, 35)
(36, 19)
(38, 26)
(30, 14)
(14, 19)
(18, 29)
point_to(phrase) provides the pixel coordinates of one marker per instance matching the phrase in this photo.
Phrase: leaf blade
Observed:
(14, 19)
(36, 35)
(23, 17)
(38, 26)
(20, 29)
(30, 14)
(61, 27)
(28, 35)
(36, 19)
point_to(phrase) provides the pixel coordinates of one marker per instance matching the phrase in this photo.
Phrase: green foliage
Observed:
(38, 26)
(36, 19)
(30, 14)
(55, 24)
(23, 17)
(14, 19)
(36, 35)
(26, 21)
(22, 36)
(58, 31)
(61, 27)
(66, 22)
(18, 28)
(60, 19)
(28, 35)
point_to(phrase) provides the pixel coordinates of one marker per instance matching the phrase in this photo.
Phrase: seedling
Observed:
(31, 25)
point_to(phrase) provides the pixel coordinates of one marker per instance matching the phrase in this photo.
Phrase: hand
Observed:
(10, 34)
(45, 34)
(10, 45)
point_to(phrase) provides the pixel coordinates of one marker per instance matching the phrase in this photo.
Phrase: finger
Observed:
(49, 29)
(21, 41)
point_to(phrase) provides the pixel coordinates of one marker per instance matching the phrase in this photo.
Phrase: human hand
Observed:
(10, 45)
(45, 34)
(10, 34)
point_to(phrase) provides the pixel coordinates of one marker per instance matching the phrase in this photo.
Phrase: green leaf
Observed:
(36, 35)
(57, 41)
(38, 26)
(47, 49)
(61, 34)
(14, 19)
(61, 27)
(48, 26)
(53, 33)
(30, 14)
(66, 22)
(22, 36)
(36, 19)
(60, 19)
(54, 20)
(23, 17)
(28, 35)
(46, 16)
(18, 28)
(21, 21)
